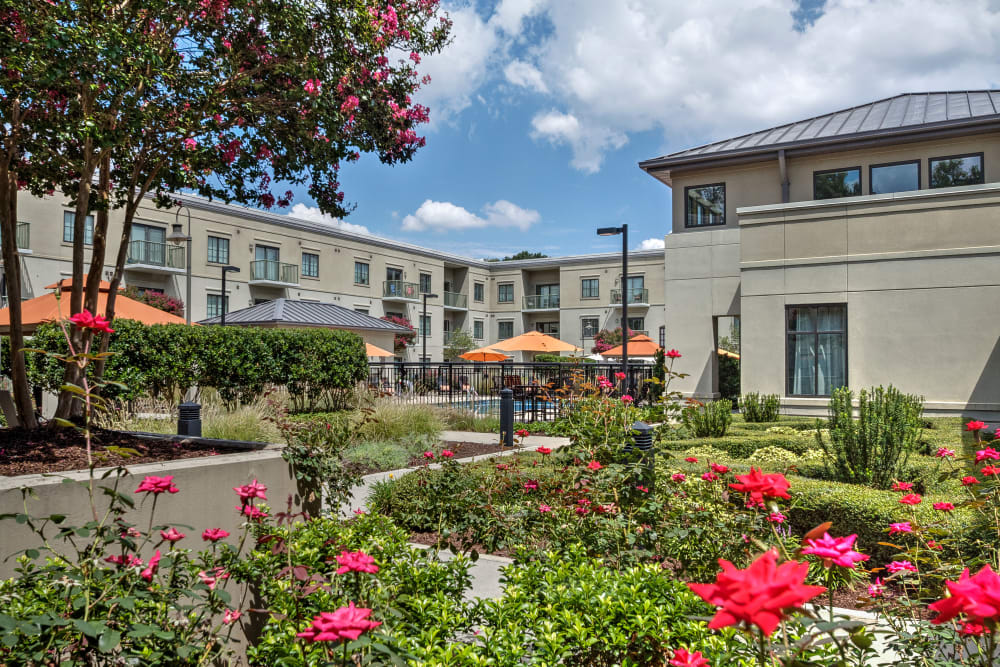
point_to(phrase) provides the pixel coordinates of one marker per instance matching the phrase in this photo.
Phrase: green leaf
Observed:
(109, 640)
(89, 628)
(140, 630)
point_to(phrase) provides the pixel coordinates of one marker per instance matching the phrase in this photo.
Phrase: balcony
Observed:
(456, 301)
(637, 296)
(398, 290)
(541, 302)
(272, 273)
(152, 257)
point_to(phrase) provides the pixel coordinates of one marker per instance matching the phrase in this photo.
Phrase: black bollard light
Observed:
(189, 419)
(642, 440)
(506, 417)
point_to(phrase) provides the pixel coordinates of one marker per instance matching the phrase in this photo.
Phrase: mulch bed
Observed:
(431, 538)
(25, 452)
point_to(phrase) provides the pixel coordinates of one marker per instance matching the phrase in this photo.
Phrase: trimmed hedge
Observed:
(742, 446)
(239, 362)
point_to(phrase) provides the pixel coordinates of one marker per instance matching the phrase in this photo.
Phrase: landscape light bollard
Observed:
(506, 417)
(189, 419)
(642, 440)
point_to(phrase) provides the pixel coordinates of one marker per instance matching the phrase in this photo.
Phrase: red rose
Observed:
(345, 623)
(761, 486)
(976, 598)
(356, 561)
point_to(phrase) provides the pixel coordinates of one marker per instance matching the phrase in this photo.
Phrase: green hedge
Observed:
(239, 362)
(742, 446)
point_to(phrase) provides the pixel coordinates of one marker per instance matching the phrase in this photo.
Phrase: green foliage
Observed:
(523, 254)
(559, 359)
(873, 448)
(316, 451)
(315, 365)
(459, 343)
(756, 407)
(709, 420)
(729, 377)
(467, 420)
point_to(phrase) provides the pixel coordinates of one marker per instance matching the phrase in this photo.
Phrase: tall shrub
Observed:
(757, 407)
(874, 448)
(709, 420)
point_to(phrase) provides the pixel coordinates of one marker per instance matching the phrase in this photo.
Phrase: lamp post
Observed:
(225, 299)
(615, 231)
(177, 236)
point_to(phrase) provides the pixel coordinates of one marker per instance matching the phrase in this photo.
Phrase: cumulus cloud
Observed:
(444, 216)
(652, 244)
(526, 75)
(589, 143)
(313, 214)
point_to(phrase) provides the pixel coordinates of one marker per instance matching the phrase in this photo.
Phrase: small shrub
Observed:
(773, 458)
(758, 407)
(397, 421)
(709, 420)
(874, 448)
(706, 453)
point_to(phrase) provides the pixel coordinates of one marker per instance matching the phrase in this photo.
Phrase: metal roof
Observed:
(902, 114)
(306, 314)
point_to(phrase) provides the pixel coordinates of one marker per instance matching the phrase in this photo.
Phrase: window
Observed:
(663, 337)
(894, 177)
(216, 303)
(363, 311)
(361, 273)
(546, 296)
(816, 349)
(549, 328)
(392, 273)
(425, 283)
(148, 245)
(310, 264)
(956, 170)
(636, 286)
(389, 313)
(477, 329)
(505, 294)
(590, 288)
(266, 265)
(505, 330)
(425, 325)
(218, 250)
(834, 183)
(637, 324)
(477, 292)
(705, 205)
(589, 327)
(88, 228)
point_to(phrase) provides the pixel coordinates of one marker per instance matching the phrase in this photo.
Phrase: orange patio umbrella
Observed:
(376, 351)
(483, 354)
(47, 308)
(727, 353)
(638, 346)
(534, 341)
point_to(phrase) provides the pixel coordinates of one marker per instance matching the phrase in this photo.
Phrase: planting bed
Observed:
(462, 450)
(25, 452)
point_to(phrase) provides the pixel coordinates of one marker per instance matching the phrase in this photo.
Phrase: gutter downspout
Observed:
(783, 171)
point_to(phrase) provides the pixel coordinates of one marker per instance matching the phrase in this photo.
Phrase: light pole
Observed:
(177, 236)
(615, 231)
(423, 334)
(225, 299)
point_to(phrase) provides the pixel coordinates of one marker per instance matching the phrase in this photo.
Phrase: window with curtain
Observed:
(310, 264)
(69, 218)
(477, 329)
(477, 292)
(590, 288)
(218, 250)
(216, 304)
(816, 348)
(425, 283)
(505, 330)
(361, 273)
(505, 293)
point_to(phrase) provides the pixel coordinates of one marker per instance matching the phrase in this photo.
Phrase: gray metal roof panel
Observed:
(305, 313)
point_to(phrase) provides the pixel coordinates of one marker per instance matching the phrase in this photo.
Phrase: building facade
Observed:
(858, 248)
(283, 257)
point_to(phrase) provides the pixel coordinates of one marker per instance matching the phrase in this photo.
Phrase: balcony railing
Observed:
(541, 302)
(635, 295)
(272, 271)
(455, 300)
(23, 235)
(150, 253)
(398, 289)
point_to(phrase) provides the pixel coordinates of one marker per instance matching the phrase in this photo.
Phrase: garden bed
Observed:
(26, 452)
(462, 450)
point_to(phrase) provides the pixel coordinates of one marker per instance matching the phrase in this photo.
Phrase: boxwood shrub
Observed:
(742, 446)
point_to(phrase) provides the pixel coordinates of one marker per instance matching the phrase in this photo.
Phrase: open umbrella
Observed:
(638, 346)
(727, 353)
(376, 351)
(483, 354)
(534, 341)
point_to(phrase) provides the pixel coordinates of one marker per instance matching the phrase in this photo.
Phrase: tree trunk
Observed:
(12, 273)
(116, 281)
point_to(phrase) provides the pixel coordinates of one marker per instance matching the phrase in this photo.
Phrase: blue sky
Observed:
(541, 109)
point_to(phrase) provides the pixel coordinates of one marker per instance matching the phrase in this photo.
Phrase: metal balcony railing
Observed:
(635, 295)
(541, 302)
(274, 271)
(455, 300)
(398, 289)
(156, 254)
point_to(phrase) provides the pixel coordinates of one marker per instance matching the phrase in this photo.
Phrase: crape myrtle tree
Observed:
(229, 97)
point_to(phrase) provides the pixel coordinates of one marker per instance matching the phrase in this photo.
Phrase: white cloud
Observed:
(526, 75)
(652, 244)
(588, 143)
(444, 216)
(313, 214)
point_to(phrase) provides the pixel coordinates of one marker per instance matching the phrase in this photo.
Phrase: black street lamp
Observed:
(225, 299)
(615, 231)
(423, 333)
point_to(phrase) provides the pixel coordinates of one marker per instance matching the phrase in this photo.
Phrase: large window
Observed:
(637, 324)
(505, 293)
(894, 177)
(590, 288)
(477, 292)
(310, 264)
(425, 325)
(956, 170)
(425, 283)
(816, 349)
(88, 228)
(834, 183)
(548, 328)
(217, 304)
(148, 245)
(705, 205)
(589, 327)
(477, 329)
(505, 329)
(218, 250)
(360, 273)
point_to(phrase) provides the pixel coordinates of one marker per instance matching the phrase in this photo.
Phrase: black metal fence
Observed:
(540, 389)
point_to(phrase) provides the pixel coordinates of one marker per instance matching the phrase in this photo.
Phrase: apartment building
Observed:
(283, 257)
(859, 248)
